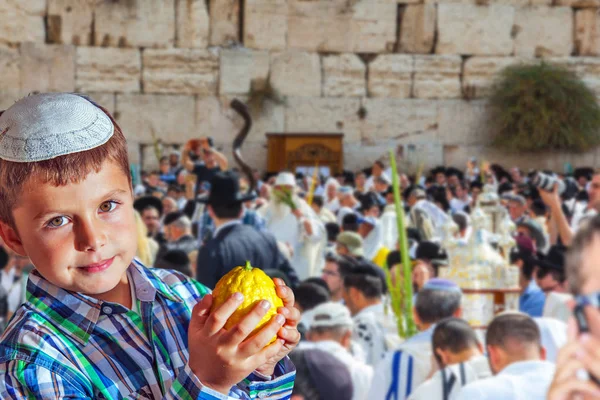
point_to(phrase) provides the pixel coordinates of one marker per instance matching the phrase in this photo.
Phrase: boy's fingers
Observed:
(267, 353)
(216, 321)
(201, 311)
(290, 335)
(285, 293)
(568, 389)
(240, 332)
(257, 342)
(292, 315)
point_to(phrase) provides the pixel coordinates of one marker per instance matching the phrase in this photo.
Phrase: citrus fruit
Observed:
(255, 285)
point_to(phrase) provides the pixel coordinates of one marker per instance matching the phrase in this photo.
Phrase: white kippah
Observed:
(45, 126)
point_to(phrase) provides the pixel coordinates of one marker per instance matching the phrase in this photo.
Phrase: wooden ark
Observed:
(290, 151)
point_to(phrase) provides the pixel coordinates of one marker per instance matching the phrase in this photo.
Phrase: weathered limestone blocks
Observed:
(224, 22)
(437, 77)
(47, 68)
(296, 74)
(417, 30)
(344, 76)
(462, 122)
(399, 119)
(480, 73)
(108, 69)
(106, 100)
(168, 117)
(390, 75)
(587, 68)
(189, 71)
(578, 3)
(242, 70)
(266, 24)
(193, 24)
(70, 21)
(22, 21)
(587, 32)
(135, 23)
(543, 31)
(324, 115)
(342, 26)
(10, 78)
(475, 30)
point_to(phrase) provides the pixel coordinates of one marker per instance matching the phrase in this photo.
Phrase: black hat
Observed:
(225, 190)
(431, 251)
(172, 217)
(450, 171)
(555, 259)
(477, 184)
(585, 172)
(146, 202)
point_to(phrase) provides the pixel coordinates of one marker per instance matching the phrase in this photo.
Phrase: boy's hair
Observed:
(366, 280)
(59, 171)
(227, 211)
(453, 334)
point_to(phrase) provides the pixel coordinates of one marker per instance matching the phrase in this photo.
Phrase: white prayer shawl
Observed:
(373, 242)
(412, 360)
(307, 259)
(553, 335)
(389, 227)
(454, 377)
(375, 331)
(361, 373)
(327, 216)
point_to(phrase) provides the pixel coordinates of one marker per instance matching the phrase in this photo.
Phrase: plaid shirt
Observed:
(62, 344)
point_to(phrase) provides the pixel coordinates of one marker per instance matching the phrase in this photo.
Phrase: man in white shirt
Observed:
(458, 354)
(404, 369)
(331, 331)
(517, 360)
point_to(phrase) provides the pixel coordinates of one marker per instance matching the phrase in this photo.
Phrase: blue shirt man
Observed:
(532, 300)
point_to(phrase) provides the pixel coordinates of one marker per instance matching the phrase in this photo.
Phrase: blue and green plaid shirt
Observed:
(61, 344)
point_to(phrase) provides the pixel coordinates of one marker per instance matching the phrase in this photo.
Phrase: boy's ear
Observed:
(11, 239)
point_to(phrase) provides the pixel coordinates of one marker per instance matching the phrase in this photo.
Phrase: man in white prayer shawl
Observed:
(301, 228)
(332, 202)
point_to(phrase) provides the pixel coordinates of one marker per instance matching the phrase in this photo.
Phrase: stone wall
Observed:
(405, 74)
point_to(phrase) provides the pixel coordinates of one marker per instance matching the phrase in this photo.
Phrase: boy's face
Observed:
(80, 237)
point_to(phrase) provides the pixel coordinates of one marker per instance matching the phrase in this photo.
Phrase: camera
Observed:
(567, 188)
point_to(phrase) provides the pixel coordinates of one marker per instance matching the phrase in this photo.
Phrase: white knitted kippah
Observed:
(45, 126)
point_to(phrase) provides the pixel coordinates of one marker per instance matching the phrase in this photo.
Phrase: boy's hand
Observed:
(219, 358)
(288, 334)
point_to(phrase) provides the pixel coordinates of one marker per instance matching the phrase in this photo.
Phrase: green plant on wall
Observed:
(543, 107)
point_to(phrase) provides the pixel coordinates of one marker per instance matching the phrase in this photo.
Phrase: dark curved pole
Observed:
(242, 109)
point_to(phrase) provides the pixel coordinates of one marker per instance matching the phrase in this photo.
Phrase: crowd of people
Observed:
(334, 241)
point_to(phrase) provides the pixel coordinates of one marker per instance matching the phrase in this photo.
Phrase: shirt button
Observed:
(107, 310)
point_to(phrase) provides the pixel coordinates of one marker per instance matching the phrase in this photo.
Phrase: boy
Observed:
(96, 323)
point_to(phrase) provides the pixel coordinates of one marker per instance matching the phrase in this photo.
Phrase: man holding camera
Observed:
(201, 158)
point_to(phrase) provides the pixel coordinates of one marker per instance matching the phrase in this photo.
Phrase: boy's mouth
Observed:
(98, 267)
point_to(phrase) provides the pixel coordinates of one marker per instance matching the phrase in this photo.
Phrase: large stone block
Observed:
(224, 22)
(47, 68)
(8, 97)
(242, 70)
(22, 21)
(344, 76)
(417, 30)
(265, 24)
(399, 119)
(437, 77)
(480, 73)
(135, 23)
(324, 115)
(462, 122)
(475, 30)
(167, 117)
(296, 74)
(390, 75)
(193, 25)
(10, 76)
(587, 32)
(543, 31)
(70, 21)
(578, 3)
(342, 26)
(108, 69)
(189, 71)
(104, 99)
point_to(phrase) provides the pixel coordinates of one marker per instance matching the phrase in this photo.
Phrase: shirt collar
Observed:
(531, 288)
(225, 225)
(76, 314)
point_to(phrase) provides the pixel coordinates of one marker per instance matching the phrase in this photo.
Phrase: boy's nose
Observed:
(88, 236)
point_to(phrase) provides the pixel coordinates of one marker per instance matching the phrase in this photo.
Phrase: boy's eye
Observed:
(108, 206)
(57, 222)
